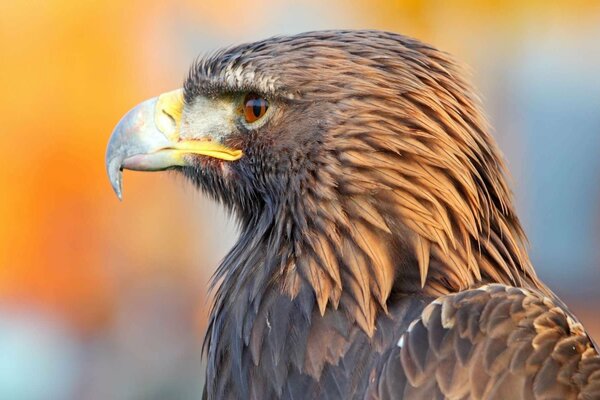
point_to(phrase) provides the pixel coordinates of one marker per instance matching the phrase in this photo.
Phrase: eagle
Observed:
(380, 255)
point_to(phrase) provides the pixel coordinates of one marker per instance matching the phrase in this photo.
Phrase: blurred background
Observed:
(107, 300)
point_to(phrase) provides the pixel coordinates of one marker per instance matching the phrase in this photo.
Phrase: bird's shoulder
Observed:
(492, 342)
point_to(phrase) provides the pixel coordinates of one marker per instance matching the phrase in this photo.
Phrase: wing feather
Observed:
(494, 342)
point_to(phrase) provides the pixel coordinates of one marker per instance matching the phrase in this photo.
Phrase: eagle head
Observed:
(357, 162)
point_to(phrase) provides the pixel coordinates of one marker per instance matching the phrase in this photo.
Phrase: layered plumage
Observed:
(380, 255)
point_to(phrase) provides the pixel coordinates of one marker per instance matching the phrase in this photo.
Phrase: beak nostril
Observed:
(170, 116)
(166, 123)
(169, 108)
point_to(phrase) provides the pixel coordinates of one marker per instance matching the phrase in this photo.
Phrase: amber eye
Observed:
(254, 107)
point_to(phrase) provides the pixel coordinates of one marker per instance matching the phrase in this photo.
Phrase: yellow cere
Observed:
(169, 108)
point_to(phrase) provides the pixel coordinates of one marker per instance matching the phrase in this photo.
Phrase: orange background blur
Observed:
(107, 300)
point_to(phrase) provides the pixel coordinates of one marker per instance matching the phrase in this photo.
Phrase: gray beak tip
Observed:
(115, 175)
(118, 191)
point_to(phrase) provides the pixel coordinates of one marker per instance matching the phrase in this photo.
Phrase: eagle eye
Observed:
(255, 107)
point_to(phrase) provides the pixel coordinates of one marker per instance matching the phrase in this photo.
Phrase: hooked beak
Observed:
(147, 139)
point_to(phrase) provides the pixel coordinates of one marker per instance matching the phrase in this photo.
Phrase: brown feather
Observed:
(422, 251)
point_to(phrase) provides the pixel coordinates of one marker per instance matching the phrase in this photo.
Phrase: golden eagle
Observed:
(380, 255)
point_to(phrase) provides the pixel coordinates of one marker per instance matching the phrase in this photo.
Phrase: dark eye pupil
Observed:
(257, 108)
